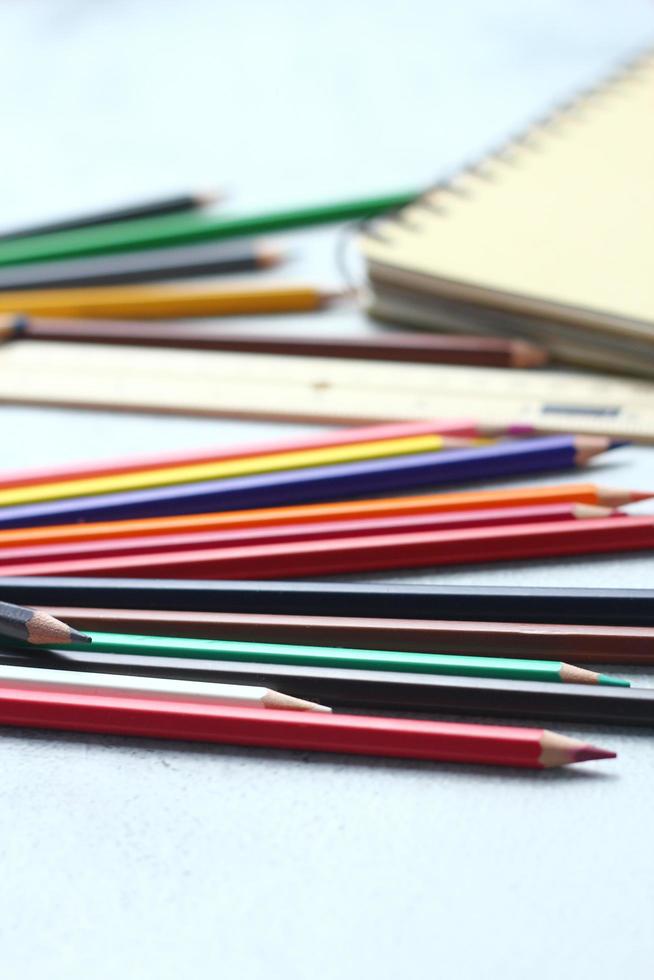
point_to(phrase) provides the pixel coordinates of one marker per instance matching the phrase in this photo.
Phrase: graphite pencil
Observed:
(430, 663)
(380, 690)
(611, 607)
(529, 748)
(435, 549)
(319, 483)
(393, 507)
(626, 645)
(130, 212)
(134, 267)
(35, 626)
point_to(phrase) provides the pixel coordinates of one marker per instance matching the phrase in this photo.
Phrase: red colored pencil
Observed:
(529, 748)
(293, 533)
(345, 555)
(322, 440)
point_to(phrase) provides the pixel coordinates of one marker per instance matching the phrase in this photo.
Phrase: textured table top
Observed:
(122, 858)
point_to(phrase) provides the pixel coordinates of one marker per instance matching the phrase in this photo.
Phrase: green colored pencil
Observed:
(188, 229)
(284, 653)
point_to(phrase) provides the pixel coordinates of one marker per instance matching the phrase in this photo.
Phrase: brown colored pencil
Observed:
(627, 645)
(382, 346)
(35, 626)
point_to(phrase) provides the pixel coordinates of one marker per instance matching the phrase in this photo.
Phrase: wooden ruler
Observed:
(320, 389)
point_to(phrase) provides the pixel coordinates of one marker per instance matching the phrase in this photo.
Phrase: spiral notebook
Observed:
(552, 238)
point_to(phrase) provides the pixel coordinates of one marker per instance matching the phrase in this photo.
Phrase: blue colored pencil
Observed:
(317, 483)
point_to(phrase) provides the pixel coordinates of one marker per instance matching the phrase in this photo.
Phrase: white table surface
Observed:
(122, 858)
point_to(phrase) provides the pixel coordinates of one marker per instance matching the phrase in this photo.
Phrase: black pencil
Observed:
(35, 626)
(380, 690)
(130, 212)
(214, 258)
(612, 607)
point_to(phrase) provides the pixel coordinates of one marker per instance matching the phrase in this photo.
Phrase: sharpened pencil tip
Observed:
(637, 495)
(588, 753)
(77, 637)
(618, 443)
(612, 681)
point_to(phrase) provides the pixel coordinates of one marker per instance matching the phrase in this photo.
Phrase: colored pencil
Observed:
(283, 653)
(153, 265)
(529, 748)
(626, 645)
(382, 346)
(189, 229)
(26, 678)
(130, 212)
(292, 533)
(382, 690)
(157, 301)
(337, 556)
(320, 483)
(321, 440)
(612, 607)
(248, 465)
(359, 510)
(35, 626)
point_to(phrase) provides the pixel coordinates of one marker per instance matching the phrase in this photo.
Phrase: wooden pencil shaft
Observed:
(291, 533)
(611, 607)
(355, 734)
(238, 650)
(317, 484)
(345, 510)
(191, 228)
(133, 267)
(248, 465)
(321, 440)
(356, 554)
(164, 301)
(383, 346)
(131, 212)
(372, 690)
(626, 645)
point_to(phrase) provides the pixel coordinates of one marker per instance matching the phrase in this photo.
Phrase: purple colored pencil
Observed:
(315, 484)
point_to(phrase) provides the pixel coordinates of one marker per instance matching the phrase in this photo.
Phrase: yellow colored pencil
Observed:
(166, 301)
(142, 479)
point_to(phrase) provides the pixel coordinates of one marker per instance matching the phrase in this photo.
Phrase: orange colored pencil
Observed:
(583, 493)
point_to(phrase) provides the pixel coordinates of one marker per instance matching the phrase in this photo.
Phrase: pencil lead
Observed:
(77, 637)
(588, 753)
(612, 681)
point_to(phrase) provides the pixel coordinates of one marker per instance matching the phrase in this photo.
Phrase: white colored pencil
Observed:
(159, 688)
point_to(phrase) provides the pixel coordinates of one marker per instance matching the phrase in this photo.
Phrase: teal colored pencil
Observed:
(188, 229)
(284, 653)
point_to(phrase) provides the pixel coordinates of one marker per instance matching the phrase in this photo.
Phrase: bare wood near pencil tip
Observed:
(559, 750)
(267, 256)
(587, 511)
(589, 446)
(526, 355)
(204, 199)
(577, 675)
(611, 497)
(284, 702)
(44, 629)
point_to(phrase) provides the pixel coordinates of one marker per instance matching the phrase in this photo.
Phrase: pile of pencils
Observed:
(150, 556)
(157, 581)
